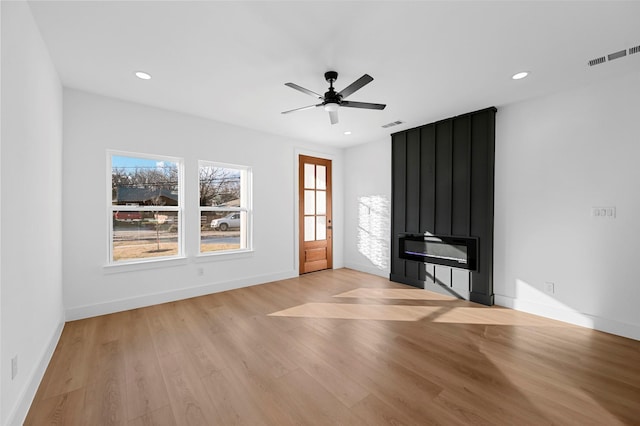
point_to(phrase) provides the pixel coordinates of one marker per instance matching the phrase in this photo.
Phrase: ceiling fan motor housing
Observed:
(330, 76)
(331, 96)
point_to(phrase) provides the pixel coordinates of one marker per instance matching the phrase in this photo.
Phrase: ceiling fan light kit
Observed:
(331, 107)
(333, 100)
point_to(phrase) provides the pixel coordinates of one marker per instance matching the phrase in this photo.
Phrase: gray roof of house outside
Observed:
(142, 195)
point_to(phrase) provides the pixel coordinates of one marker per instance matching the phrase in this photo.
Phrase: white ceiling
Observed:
(430, 60)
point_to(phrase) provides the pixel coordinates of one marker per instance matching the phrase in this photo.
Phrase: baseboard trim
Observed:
(19, 413)
(631, 331)
(384, 273)
(88, 311)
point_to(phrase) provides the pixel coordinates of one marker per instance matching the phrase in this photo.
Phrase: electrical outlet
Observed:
(549, 287)
(200, 272)
(14, 367)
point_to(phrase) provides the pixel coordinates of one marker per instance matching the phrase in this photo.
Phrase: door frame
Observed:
(296, 186)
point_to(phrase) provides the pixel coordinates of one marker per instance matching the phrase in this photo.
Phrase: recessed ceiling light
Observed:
(520, 75)
(347, 132)
(143, 75)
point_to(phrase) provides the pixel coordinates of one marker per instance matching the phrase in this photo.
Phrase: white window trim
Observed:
(128, 264)
(246, 206)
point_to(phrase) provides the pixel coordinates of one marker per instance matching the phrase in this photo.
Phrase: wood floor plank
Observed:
(230, 400)
(160, 417)
(65, 409)
(71, 360)
(165, 328)
(295, 354)
(253, 387)
(145, 386)
(308, 402)
(106, 394)
(372, 411)
(189, 399)
(335, 347)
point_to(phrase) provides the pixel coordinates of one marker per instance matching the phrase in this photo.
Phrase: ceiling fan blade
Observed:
(303, 90)
(366, 105)
(300, 109)
(333, 116)
(356, 85)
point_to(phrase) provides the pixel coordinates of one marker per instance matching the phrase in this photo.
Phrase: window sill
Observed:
(226, 255)
(141, 265)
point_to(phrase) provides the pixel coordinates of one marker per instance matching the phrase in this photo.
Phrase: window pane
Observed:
(143, 182)
(220, 186)
(321, 177)
(309, 176)
(321, 202)
(225, 203)
(143, 234)
(309, 202)
(309, 228)
(321, 228)
(222, 231)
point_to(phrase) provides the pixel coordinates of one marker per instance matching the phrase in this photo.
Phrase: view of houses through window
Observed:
(145, 208)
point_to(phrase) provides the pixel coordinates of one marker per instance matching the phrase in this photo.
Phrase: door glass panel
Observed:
(321, 202)
(321, 228)
(309, 176)
(309, 228)
(321, 178)
(309, 202)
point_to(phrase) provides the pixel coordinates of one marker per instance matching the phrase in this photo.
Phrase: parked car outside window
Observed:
(227, 222)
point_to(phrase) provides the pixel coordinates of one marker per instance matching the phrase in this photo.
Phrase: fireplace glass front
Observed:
(457, 252)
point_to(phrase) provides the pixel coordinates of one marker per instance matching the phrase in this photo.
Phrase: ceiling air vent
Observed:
(617, 55)
(600, 60)
(395, 123)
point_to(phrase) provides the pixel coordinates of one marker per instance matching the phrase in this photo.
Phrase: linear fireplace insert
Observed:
(457, 252)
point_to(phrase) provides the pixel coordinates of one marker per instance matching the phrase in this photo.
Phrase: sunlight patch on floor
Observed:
(436, 314)
(491, 316)
(359, 312)
(394, 293)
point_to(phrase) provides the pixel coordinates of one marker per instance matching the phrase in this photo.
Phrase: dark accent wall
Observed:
(442, 184)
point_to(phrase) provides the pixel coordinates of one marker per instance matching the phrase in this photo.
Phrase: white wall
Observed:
(556, 158)
(368, 207)
(31, 263)
(95, 124)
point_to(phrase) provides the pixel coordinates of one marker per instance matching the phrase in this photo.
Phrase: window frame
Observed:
(246, 207)
(111, 208)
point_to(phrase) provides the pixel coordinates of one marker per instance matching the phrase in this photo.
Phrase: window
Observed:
(225, 208)
(146, 208)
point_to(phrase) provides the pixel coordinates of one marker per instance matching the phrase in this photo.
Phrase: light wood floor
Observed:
(336, 347)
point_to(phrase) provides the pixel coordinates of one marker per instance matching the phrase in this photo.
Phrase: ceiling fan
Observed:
(332, 100)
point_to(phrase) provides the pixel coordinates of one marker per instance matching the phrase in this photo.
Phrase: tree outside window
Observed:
(146, 208)
(225, 214)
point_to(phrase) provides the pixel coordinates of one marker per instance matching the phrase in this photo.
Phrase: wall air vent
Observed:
(395, 123)
(600, 60)
(617, 55)
(634, 50)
